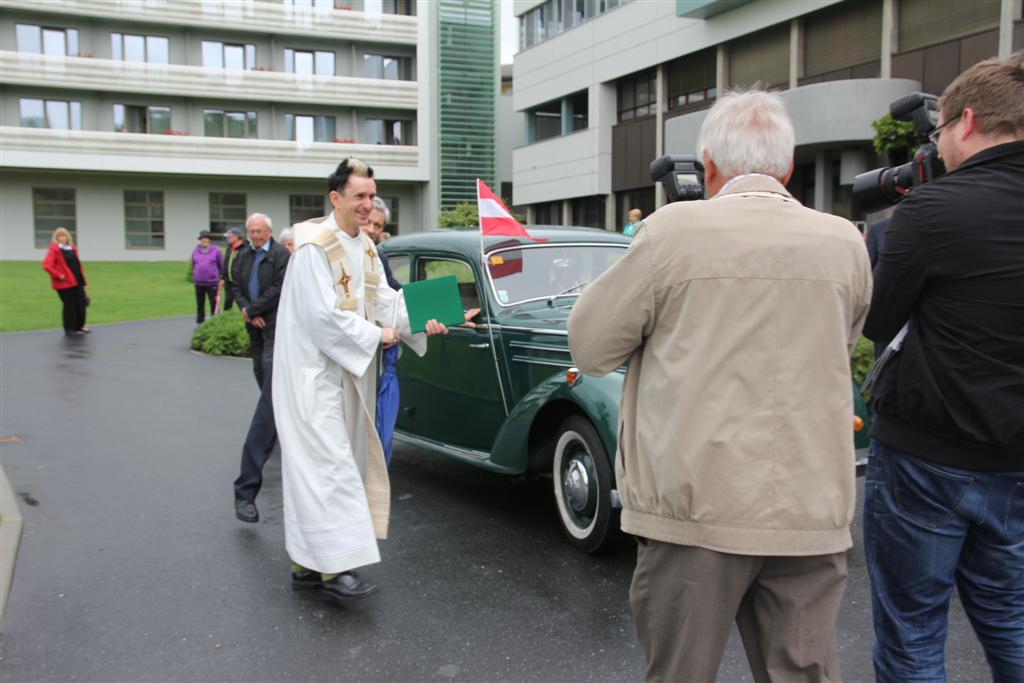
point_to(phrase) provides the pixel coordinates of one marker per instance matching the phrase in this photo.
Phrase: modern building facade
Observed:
(606, 86)
(138, 123)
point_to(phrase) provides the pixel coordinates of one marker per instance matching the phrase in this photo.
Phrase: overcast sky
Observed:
(508, 32)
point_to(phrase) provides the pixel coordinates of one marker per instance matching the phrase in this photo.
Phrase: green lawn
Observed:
(118, 290)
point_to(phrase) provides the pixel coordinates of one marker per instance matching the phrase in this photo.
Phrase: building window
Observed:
(392, 227)
(388, 132)
(546, 121)
(315, 4)
(303, 128)
(928, 22)
(406, 7)
(547, 213)
(52, 208)
(227, 210)
(555, 16)
(144, 219)
(131, 48)
(303, 207)
(55, 114)
(579, 108)
(588, 212)
(218, 123)
(761, 57)
(46, 40)
(640, 198)
(637, 96)
(138, 119)
(841, 37)
(308, 63)
(217, 55)
(387, 67)
(692, 80)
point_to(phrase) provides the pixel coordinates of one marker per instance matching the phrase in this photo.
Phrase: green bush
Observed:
(863, 357)
(222, 335)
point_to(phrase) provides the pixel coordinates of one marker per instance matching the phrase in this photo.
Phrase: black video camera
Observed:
(883, 187)
(681, 175)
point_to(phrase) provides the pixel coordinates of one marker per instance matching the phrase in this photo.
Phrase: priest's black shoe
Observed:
(346, 586)
(305, 580)
(246, 511)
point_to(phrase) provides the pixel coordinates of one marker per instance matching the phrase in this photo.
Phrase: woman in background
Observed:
(67, 278)
(634, 216)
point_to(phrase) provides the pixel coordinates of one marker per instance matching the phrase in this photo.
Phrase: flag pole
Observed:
(480, 226)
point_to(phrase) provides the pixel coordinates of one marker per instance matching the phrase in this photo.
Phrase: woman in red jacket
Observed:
(67, 278)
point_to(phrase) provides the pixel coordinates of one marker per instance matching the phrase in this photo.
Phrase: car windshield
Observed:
(540, 272)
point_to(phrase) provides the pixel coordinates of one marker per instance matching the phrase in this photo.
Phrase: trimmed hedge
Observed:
(222, 335)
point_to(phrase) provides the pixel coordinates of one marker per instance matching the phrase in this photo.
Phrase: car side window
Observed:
(429, 268)
(400, 267)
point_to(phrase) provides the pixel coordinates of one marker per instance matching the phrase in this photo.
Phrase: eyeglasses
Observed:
(934, 135)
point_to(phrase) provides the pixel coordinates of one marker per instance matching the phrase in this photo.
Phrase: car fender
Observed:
(536, 418)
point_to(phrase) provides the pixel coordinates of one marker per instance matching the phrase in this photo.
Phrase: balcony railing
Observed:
(240, 15)
(40, 148)
(104, 75)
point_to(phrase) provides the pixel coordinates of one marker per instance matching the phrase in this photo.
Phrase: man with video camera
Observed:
(944, 492)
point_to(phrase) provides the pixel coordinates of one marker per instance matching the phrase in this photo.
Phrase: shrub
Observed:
(863, 357)
(222, 335)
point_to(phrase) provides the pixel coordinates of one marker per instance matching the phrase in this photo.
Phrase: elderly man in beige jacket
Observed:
(735, 463)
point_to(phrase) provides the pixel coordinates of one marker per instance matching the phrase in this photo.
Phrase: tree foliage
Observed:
(463, 215)
(898, 139)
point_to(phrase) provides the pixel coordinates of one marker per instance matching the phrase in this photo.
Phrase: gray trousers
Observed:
(685, 600)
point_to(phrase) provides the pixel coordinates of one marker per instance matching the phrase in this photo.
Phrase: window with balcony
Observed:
(218, 123)
(130, 118)
(227, 210)
(52, 208)
(387, 67)
(303, 128)
(692, 81)
(309, 62)
(761, 57)
(304, 207)
(46, 40)
(56, 114)
(217, 55)
(144, 219)
(637, 96)
(926, 22)
(387, 132)
(843, 41)
(132, 48)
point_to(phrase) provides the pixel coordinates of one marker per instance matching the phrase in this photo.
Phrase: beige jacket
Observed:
(737, 316)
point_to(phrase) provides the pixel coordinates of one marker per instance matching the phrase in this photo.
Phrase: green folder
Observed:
(437, 299)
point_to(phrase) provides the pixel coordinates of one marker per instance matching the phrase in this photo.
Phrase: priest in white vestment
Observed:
(336, 312)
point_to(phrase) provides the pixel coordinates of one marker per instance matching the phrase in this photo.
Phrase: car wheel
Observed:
(582, 484)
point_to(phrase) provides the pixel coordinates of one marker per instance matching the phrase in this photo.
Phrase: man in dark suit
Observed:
(257, 277)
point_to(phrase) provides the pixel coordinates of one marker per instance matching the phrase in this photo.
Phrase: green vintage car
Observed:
(504, 395)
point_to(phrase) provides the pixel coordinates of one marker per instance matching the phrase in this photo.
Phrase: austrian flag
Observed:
(495, 219)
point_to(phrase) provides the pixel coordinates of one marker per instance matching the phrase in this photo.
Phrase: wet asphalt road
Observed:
(133, 568)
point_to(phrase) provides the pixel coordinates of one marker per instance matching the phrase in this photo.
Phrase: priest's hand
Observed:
(388, 337)
(469, 315)
(433, 328)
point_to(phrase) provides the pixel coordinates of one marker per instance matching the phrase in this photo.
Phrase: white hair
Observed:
(379, 205)
(286, 235)
(748, 132)
(263, 216)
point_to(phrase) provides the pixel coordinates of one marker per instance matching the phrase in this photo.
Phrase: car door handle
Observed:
(484, 345)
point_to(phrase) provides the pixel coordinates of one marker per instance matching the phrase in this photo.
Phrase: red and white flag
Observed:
(495, 219)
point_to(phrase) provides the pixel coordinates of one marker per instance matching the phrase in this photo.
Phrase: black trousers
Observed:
(205, 292)
(261, 348)
(73, 299)
(227, 298)
(262, 435)
(259, 444)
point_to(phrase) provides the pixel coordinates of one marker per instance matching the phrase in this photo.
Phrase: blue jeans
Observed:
(927, 528)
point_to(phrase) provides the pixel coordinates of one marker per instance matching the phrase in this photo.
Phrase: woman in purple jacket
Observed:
(206, 266)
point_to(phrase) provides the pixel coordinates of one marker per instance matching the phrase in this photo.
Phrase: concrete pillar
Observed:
(531, 215)
(1007, 11)
(566, 116)
(722, 69)
(567, 212)
(823, 181)
(610, 212)
(661, 103)
(796, 53)
(888, 36)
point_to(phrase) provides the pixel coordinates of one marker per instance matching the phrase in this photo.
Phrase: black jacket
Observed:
(953, 264)
(271, 278)
(392, 280)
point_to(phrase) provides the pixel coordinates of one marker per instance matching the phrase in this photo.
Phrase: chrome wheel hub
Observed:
(576, 485)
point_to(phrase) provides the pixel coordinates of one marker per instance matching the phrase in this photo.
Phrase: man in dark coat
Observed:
(257, 277)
